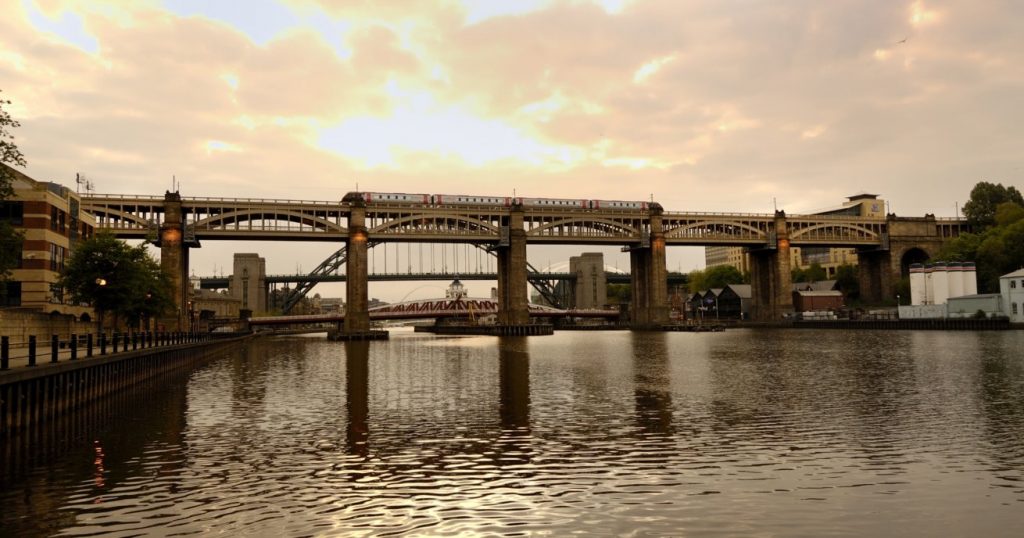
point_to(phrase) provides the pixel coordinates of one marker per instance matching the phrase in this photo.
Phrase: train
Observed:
(502, 201)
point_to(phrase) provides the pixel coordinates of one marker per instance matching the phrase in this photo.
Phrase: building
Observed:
(816, 301)
(591, 283)
(456, 290)
(859, 205)
(248, 282)
(49, 216)
(735, 301)
(968, 306)
(1011, 288)
(214, 304)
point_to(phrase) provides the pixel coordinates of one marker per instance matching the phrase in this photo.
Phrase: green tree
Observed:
(10, 239)
(718, 276)
(980, 210)
(1008, 213)
(813, 273)
(848, 281)
(619, 294)
(116, 278)
(996, 250)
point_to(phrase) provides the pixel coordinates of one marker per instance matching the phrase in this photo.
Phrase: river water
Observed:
(745, 432)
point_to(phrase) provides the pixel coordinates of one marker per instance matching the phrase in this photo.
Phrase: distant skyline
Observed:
(705, 106)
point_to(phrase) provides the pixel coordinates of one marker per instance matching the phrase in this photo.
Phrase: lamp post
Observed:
(101, 283)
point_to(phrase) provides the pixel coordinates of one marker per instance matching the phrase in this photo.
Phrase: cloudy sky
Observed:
(706, 106)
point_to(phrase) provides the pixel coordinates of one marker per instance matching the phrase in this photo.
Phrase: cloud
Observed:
(707, 105)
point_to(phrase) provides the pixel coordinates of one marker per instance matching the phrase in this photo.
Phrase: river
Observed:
(743, 432)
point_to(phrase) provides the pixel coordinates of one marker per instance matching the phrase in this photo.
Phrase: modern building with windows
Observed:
(858, 205)
(49, 216)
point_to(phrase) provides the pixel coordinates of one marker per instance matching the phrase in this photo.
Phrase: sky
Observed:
(731, 105)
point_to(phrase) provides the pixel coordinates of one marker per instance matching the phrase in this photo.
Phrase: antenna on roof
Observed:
(81, 182)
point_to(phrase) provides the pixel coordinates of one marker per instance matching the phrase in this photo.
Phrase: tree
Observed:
(980, 210)
(117, 278)
(847, 281)
(718, 276)
(996, 248)
(814, 273)
(619, 294)
(10, 239)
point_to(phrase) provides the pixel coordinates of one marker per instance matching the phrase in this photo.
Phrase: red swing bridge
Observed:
(469, 308)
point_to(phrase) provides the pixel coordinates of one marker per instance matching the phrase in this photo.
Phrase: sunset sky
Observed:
(706, 106)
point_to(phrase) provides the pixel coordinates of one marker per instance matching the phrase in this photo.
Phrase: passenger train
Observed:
(505, 201)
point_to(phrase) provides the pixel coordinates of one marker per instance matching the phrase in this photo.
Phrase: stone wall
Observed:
(19, 324)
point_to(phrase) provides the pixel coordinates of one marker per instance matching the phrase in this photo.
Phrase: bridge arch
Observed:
(429, 223)
(126, 219)
(720, 229)
(228, 218)
(835, 230)
(911, 255)
(601, 228)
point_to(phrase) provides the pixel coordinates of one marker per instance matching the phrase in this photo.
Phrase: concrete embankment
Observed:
(34, 395)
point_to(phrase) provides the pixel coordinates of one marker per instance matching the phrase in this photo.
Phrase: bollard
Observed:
(135, 341)
(88, 345)
(103, 343)
(114, 338)
(124, 347)
(5, 353)
(54, 349)
(74, 347)
(31, 350)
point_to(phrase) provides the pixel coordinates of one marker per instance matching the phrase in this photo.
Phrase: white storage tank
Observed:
(917, 291)
(956, 279)
(929, 295)
(940, 283)
(970, 277)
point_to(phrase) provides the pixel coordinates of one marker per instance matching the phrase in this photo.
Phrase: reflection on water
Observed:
(773, 432)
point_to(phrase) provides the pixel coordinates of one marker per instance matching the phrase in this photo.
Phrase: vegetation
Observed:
(619, 294)
(718, 276)
(10, 239)
(985, 200)
(996, 244)
(848, 281)
(813, 273)
(116, 278)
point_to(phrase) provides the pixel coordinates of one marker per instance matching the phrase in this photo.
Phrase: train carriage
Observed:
(556, 202)
(618, 204)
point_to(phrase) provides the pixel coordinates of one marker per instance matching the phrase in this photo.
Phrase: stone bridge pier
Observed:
(909, 240)
(174, 247)
(513, 301)
(649, 304)
(357, 302)
(771, 277)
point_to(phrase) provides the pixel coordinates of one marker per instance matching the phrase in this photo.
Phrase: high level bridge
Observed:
(177, 224)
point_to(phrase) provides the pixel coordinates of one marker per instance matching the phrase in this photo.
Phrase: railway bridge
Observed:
(177, 224)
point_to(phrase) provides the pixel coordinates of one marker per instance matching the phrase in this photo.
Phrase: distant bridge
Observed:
(223, 282)
(433, 309)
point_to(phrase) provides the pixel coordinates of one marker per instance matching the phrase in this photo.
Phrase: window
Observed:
(12, 295)
(53, 218)
(13, 212)
(1014, 308)
(1013, 284)
(57, 257)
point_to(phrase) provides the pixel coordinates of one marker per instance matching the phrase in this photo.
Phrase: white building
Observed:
(1011, 287)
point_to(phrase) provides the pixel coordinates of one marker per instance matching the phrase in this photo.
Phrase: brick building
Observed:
(49, 216)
